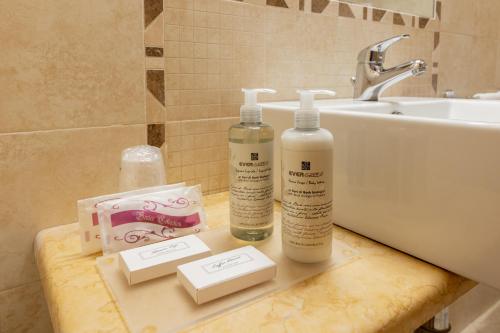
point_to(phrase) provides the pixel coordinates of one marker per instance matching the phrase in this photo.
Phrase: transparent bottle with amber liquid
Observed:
(250, 172)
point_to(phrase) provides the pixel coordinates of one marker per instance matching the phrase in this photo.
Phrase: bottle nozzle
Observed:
(251, 95)
(308, 116)
(250, 111)
(307, 97)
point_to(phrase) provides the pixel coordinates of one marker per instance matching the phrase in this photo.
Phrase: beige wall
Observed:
(469, 46)
(71, 98)
(72, 93)
(215, 47)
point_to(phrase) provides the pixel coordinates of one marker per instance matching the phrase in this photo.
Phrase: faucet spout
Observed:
(371, 76)
(415, 67)
(389, 77)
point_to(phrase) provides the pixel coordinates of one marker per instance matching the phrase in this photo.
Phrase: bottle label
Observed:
(251, 184)
(307, 198)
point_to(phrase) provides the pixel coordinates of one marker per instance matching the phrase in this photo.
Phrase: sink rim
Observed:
(343, 107)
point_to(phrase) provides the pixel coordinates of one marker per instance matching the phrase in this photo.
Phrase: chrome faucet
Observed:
(371, 76)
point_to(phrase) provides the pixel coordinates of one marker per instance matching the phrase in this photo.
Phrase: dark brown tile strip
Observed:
(152, 8)
(155, 81)
(435, 82)
(435, 64)
(318, 6)
(301, 4)
(398, 19)
(277, 3)
(436, 39)
(422, 22)
(365, 13)
(345, 10)
(156, 135)
(378, 14)
(154, 51)
(438, 10)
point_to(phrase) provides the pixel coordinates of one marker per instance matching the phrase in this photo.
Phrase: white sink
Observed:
(425, 180)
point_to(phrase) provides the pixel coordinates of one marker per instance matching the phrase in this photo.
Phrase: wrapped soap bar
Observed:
(160, 259)
(149, 218)
(88, 217)
(225, 273)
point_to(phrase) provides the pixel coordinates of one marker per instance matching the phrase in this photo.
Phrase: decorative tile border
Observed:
(155, 82)
(378, 14)
(436, 46)
(397, 19)
(156, 134)
(345, 10)
(152, 8)
(354, 11)
(318, 6)
(422, 22)
(439, 7)
(360, 12)
(154, 71)
(154, 52)
(277, 3)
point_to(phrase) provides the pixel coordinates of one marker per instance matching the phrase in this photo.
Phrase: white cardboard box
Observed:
(225, 273)
(159, 259)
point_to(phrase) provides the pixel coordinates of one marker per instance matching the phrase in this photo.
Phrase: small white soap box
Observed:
(160, 259)
(225, 273)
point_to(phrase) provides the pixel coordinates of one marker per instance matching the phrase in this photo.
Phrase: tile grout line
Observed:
(70, 129)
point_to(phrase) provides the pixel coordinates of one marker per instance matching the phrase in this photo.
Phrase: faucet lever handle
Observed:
(376, 53)
(385, 44)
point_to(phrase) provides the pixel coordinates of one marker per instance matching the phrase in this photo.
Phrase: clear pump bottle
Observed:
(306, 184)
(250, 172)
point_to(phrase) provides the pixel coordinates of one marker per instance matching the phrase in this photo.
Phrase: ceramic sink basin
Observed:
(420, 175)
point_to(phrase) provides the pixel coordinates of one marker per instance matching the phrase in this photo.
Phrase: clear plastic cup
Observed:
(141, 166)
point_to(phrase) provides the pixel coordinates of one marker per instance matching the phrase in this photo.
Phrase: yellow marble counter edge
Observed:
(379, 290)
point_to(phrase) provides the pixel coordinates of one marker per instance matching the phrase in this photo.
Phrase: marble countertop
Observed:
(377, 290)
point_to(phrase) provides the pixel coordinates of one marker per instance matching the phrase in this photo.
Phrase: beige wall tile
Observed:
(486, 22)
(483, 60)
(458, 16)
(454, 64)
(474, 18)
(68, 64)
(43, 175)
(478, 17)
(467, 64)
(23, 309)
(197, 151)
(497, 76)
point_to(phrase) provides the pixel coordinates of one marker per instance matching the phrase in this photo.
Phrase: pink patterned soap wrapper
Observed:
(88, 217)
(170, 221)
(148, 218)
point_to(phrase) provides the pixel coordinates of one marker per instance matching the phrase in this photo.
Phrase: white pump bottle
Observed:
(306, 184)
(250, 172)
